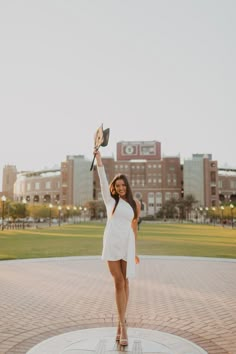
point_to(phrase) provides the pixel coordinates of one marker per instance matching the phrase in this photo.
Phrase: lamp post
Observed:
(50, 214)
(206, 214)
(80, 213)
(85, 209)
(3, 209)
(201, 210)
(24, 201)
(68, 213)
(74, 213)
(213, 211)
(59, 215)
(232, 217)
(196, 215)
(222, 213)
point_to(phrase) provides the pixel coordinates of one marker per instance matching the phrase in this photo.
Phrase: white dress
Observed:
(119, 238)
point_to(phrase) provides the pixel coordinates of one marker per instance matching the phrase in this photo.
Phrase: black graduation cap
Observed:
(101, 138)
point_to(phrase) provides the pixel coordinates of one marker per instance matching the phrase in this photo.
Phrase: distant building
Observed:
(72, 184)
(9, 177)
(227, 185)
(153, 180)
(38, 186)
(201, 179)
(76, 181)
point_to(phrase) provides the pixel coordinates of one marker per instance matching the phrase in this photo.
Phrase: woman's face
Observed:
(120, 188)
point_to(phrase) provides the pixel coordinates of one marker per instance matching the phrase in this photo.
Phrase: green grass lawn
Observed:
(86, 239)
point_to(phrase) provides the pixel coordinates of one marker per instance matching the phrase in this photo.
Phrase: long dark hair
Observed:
(129, 194)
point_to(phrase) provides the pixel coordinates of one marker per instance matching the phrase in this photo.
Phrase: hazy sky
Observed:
(160, 70)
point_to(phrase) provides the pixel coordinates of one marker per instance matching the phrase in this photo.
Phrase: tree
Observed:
(169, 209)
(189, 201)
(96, 209)
(17, 210)
(185, 206)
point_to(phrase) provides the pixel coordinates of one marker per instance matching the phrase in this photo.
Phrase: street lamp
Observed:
(201, 210)
(213, 210)
(68, 213)
(85, 209)
(74, 213)
(50, 214)
(206, 214)
(222, 212)
(232, 217)
(3, 209)
(24, 201)
(80, 213)
(59, 215)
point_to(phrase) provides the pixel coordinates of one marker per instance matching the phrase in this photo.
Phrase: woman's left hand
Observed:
(137, 260)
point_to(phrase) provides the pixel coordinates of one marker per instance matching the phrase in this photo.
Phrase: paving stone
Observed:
(194, 298)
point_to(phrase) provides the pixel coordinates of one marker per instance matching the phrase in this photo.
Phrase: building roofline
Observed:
(37, 173)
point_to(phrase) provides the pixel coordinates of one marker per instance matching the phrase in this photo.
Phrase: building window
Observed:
(167, 196)
(213, 177)
(159, 198)
(213, 190)
(37, 185)
(28, 187)
(233, 184)
(48, 185)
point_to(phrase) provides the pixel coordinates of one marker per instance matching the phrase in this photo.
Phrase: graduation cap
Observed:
(101, 138)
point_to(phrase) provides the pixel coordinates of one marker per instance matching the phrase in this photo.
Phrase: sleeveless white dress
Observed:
(118, 238)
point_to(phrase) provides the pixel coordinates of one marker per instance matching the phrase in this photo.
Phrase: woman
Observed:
(119, 242)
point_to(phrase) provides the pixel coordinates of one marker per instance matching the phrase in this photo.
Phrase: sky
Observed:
(149, 70)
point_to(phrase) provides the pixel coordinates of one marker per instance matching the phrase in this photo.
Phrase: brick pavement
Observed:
(194, 298)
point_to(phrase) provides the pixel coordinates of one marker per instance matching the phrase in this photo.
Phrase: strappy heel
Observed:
(118, 333)
(123, 338)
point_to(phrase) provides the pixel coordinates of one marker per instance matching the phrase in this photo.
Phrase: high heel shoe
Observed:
(123, 335)
(118, 333)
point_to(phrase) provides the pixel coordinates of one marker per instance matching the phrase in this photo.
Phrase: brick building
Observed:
(154, 179)
(201, 179)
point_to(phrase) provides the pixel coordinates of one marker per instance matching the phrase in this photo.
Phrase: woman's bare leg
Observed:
(118, 271)
(123, 269)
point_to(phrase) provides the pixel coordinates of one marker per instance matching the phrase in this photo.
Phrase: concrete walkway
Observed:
(194, 298)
